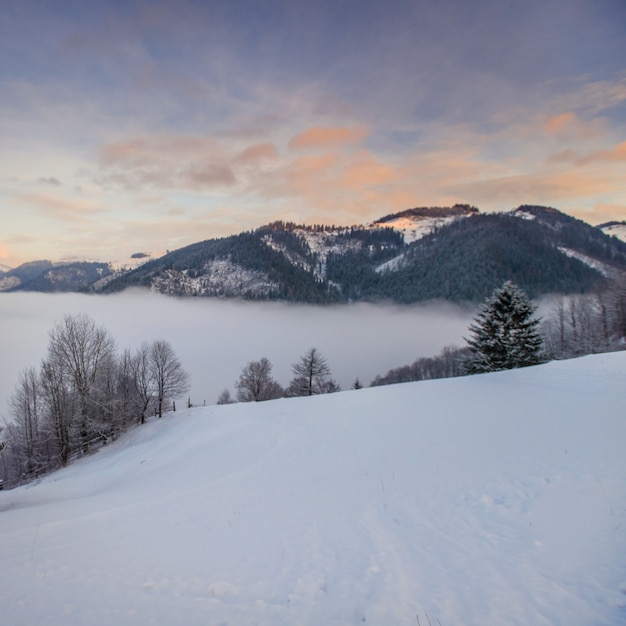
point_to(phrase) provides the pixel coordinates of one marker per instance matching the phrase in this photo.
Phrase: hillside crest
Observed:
(454, 253)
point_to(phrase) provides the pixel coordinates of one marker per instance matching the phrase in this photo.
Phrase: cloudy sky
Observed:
(143, 125)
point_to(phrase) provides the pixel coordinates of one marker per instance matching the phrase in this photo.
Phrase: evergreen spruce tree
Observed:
(504, 335)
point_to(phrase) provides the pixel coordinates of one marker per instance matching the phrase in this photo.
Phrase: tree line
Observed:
(312, 376)
(506, 333)
(84, 394)
(587, 324)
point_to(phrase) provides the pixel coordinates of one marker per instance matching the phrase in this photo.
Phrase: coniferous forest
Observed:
(460, 255)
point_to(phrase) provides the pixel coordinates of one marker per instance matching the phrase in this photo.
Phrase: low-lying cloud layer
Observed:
(215, 339)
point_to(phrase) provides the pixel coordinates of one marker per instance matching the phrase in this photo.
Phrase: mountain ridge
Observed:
(455, 253)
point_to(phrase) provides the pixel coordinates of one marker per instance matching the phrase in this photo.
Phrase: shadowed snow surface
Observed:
(487, 500)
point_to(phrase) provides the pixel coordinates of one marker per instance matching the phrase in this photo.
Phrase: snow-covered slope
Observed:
(136, 260)
(221, 278)
(414, 228)
(421, 221)
(603, 268)
(617, 229)
(487, 500)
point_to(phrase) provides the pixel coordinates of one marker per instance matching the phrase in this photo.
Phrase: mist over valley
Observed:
(215, 338)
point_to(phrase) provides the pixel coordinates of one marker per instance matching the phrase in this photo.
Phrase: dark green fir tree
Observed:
(504, 335)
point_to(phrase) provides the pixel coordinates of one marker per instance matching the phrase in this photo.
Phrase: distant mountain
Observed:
(453, 253)
(47, 276)
(69, 274)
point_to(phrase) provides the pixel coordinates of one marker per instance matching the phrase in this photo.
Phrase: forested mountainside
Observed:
(467, 259)
(464, 256)
(454, 253)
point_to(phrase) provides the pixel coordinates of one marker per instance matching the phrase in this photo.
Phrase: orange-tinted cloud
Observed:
(617, 154)
(308, 175)
(364, 170)
(60, 208)
(166, 162)
(320, 137)
(569, 126)
(156, 148)
(257, 153)
(558, 123)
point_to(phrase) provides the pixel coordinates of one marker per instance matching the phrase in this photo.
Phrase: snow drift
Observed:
(487, 500)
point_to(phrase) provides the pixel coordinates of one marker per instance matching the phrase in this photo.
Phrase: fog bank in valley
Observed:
(214, 339)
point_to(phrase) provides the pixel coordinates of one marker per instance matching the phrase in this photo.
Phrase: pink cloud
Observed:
(167, 162)
(319, 137)
(157, 148)
(617, 154)
(365, 170)
(558, 123)
(60, 208)
(257, 153)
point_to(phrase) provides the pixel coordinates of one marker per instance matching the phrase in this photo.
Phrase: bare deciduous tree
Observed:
(143, 377)
(225, 397)
(312, 375)
(83, 395)
(59, 407)
(256, 383)
(28, 428)
(170, 379)
(81, 350)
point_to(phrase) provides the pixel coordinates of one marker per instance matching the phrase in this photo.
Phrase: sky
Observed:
(140, 126)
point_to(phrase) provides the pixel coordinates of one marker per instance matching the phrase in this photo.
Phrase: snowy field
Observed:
(489, 500)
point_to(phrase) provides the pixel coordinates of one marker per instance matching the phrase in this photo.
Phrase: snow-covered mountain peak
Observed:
(617, 229)
(524, 214)
(421, 221)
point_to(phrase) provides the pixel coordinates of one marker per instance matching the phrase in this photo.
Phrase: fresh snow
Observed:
(524, 214)
(603, 268)
(486, 500)
(220, 277)
(324, 243)
(414, 228)
(393, 265)
(617, 229)
(8, 282)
